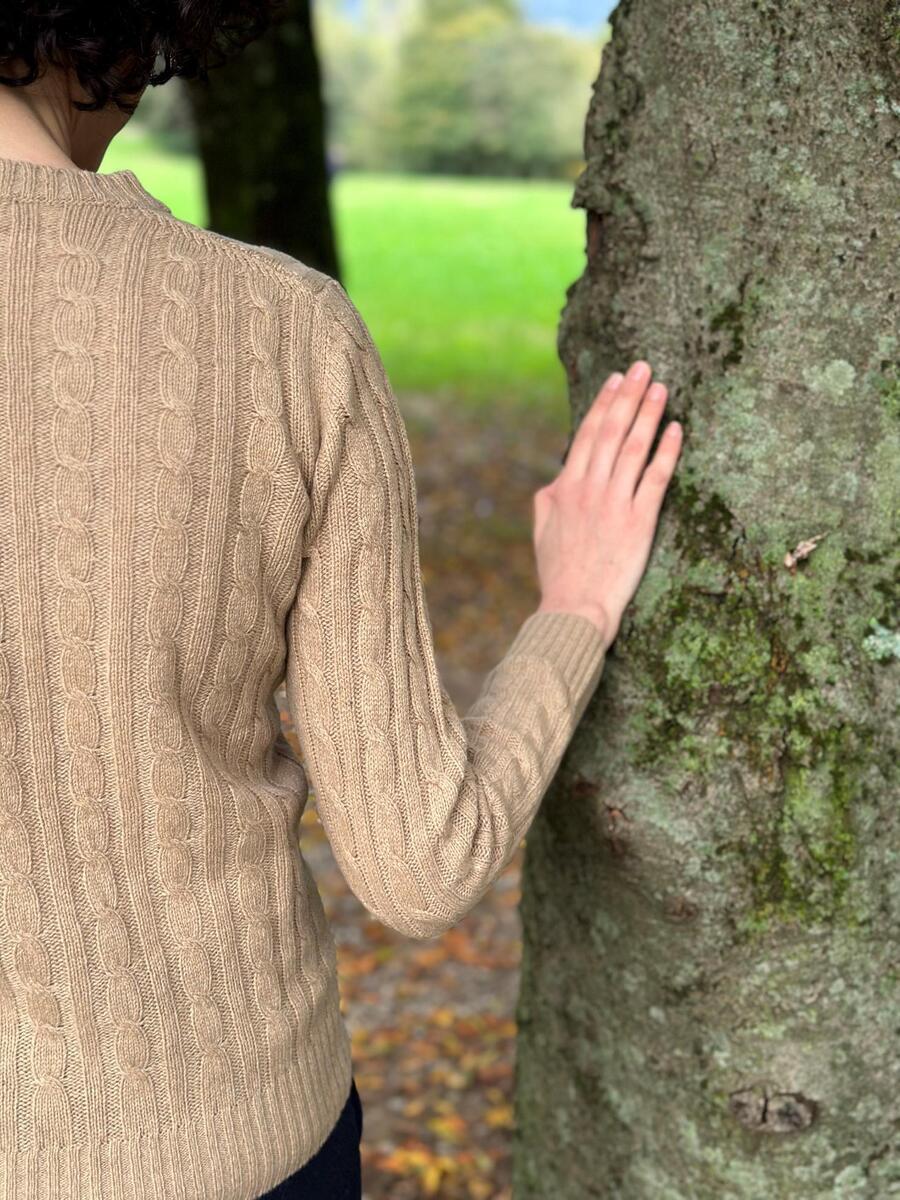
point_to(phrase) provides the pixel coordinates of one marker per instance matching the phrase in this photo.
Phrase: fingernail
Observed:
(639, 371)
(615, 379)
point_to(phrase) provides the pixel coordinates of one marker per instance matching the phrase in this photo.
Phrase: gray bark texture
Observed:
(710, 1000)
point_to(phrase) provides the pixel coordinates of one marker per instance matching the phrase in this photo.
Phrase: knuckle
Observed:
(656, 476)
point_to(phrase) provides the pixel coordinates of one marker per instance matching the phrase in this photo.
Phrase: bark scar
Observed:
(776, 1112)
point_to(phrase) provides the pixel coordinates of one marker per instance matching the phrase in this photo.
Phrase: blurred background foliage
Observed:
(470, 87)
(466, 87)
(454, 133)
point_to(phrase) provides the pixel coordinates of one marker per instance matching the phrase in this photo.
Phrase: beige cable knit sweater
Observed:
(206, 488)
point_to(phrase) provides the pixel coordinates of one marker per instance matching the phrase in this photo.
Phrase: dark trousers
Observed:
(335, 1171)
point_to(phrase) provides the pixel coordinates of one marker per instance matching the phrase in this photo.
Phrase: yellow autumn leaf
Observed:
(431, 1179)
(450, 1126)
(480, 1189)
(500, 1117)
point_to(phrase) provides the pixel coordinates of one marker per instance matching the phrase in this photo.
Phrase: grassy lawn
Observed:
(461, 281)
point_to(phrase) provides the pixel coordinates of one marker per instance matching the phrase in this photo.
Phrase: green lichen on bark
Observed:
(801, 866)
(888, 387)
(737, 661)
(733, 320)
(882, 643)
(890, 24)
(798, 857)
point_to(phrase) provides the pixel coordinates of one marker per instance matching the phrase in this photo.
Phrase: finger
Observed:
(632, 457)
(659, 471)
(616, 421)
(580, 448)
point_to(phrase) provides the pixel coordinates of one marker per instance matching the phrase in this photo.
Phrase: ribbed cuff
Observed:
(573, 645)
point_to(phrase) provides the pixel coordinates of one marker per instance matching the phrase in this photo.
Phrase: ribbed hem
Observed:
(233, 1154)
(26, 181)
(572, 644)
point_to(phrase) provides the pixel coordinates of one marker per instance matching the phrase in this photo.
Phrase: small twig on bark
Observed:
(801, 551)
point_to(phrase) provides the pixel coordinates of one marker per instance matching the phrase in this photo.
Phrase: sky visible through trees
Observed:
(581, 16)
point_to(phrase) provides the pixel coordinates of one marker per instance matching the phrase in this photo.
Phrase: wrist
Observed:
(594, 613)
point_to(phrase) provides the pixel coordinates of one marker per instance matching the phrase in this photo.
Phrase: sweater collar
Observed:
(22, 180)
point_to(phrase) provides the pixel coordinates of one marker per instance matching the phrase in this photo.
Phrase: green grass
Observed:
(177, 179)
(461, 281)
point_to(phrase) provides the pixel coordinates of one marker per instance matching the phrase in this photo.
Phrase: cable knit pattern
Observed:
(263, 453)
(74, 385)
(206, 488)
(177, 435)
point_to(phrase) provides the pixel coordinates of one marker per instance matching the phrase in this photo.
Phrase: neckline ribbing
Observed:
(23, 180)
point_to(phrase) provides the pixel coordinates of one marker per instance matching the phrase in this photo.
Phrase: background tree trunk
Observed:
(260, 124)
(710, 1000)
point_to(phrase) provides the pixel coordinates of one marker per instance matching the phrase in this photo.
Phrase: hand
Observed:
(594, 524)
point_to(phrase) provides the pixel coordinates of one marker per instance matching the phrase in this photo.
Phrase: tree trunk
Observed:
(710, 1004)
(261, 134)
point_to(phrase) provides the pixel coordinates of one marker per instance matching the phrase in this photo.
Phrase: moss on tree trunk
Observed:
(710, 1002)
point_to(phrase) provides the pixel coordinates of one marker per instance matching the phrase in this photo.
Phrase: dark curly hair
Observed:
(114, 45)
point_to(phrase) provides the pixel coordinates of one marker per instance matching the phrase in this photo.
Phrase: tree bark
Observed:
(710, 997)
(260, 123)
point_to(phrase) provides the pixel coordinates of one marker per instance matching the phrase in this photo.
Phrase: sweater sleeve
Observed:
(423, 807)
